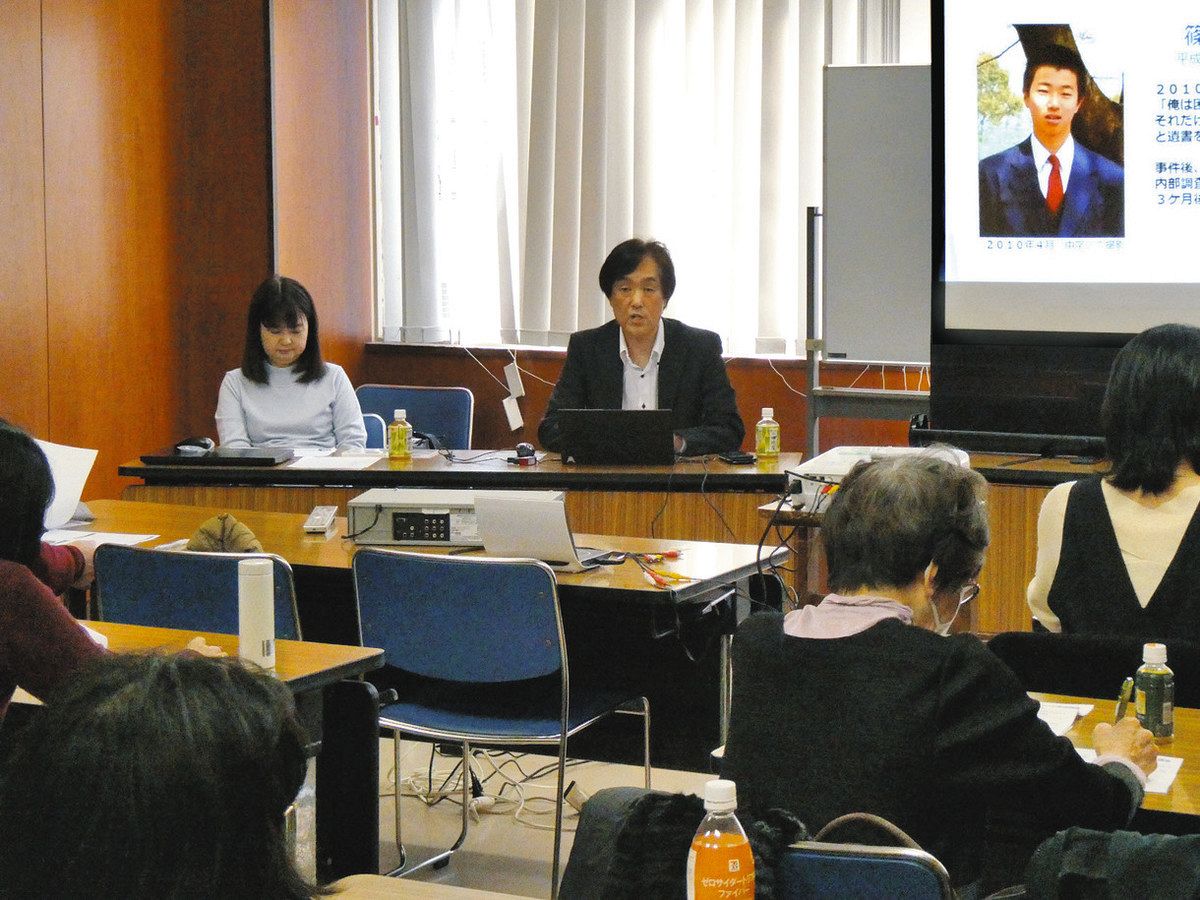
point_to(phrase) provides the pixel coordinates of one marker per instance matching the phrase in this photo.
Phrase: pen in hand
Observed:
(1123, 698)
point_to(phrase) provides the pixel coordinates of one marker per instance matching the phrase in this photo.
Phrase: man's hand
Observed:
(1128, 739)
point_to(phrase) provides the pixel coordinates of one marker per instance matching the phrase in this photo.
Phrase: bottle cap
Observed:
(720, 795)
(1154, 653)
(400, 414)
(768, 412)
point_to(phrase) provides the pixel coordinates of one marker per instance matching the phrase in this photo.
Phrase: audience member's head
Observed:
(893, 518)
(155, 776)
(1151, 408)
(26, 488)
(281, 330)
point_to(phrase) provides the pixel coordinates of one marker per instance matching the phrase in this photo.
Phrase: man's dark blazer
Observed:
(1011, 202)
(691, 383)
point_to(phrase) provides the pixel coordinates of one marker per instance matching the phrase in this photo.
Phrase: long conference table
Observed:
(670, 644)
(701, 499)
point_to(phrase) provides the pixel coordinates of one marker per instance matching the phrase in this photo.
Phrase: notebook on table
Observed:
(533, 527)
(640, 437)
(221, 456)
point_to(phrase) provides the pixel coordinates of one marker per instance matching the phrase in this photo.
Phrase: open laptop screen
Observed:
(618, 436)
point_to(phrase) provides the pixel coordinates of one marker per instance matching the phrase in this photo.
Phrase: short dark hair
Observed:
(1057, 57)
(277, 302)
(1151, 410)
(155, 776)
(892, 517)
(628, 255)
(26, 489)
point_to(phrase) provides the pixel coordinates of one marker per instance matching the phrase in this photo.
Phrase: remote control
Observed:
(320, 520)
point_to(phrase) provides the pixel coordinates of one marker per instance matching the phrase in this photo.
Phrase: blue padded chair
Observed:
(376, 431)
(446, 413)
(811, 869)
(480, 643)
(180, 589)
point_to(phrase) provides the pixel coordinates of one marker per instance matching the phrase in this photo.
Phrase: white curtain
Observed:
(520, 140)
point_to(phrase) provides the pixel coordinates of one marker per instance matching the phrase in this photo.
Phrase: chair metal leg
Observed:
(440, 859)
(396, 787)
(558, 816)
(646, 739)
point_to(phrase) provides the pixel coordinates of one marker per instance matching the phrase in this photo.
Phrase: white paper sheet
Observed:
(70, 467)
(332, 462)
(1061, 716)
(302, 452)
(62, 536)
(1160, 779)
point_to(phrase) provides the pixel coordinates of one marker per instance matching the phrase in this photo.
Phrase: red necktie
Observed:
(1054, 192)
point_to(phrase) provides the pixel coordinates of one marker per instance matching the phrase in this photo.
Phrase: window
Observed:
(519, 141)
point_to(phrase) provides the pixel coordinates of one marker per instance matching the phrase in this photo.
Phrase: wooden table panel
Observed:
(1184, 796)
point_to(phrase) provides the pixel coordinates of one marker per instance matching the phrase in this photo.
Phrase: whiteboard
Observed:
(877, 212)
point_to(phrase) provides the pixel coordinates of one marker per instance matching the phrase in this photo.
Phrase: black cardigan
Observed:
(926, 731)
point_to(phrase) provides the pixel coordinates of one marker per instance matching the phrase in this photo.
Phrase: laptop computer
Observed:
(532, 527)
(639, 437)
(220, 456)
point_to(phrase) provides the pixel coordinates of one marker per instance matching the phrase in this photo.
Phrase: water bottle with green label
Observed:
(1155, 685)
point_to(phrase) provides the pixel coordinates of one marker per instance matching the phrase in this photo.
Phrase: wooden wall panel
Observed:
(224, 226)
(24, 393)
(756, 383)
(156, 215)
(321, 78)
(110, 172)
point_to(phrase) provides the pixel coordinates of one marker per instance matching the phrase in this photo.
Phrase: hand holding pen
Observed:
(1123, 699)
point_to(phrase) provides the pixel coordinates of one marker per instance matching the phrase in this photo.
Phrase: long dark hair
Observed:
(1151, 409)
(155, 776)
(280, 301)
(26, 489)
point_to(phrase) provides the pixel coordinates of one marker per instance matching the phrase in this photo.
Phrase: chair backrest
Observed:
(376, 430)
(1091, 665)
(459, 619)
(447, 413)
(811, 869)
(181, 589)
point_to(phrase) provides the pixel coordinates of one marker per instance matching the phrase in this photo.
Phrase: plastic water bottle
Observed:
(720, 863)
(1155, 685)
(256, 611)
(399, 437)
(766, 434)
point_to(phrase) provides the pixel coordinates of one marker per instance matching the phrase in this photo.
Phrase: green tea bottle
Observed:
(1155, 685)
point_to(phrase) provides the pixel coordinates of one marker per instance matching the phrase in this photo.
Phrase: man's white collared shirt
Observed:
(1041, 160)
(640, 390)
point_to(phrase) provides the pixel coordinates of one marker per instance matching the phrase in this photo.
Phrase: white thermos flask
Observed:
(256, 611)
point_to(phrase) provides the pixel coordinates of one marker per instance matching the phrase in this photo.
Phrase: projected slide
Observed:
(1072, 159)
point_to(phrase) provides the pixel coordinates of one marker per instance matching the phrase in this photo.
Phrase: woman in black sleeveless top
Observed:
(1120, 554)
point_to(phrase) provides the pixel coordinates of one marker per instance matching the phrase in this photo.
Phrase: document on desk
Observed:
(65, 536)
(70, 467)
(1061, 716)
(1159, 781)
(328, 463)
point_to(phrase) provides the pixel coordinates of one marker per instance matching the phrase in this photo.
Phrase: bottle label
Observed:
(766, 439)
(720, 865)
(399, 435)
(1156, 703)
